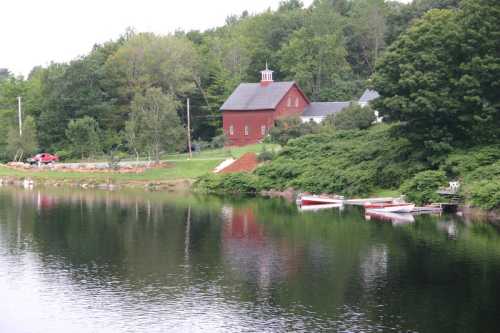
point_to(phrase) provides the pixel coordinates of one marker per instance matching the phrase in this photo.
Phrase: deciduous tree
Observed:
(20, 146)
(440, 79)
(155, 125)
(83, 134)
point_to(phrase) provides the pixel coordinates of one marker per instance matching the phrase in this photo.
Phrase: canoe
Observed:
(308, 200)
(313, 208)
(391, 208)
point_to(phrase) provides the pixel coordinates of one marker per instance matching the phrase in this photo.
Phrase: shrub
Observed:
(485, 194)
(358, 162)
(200, 145)
(243, 183)
(345, 162)
(290, 128)
(218, 141)
(421, 189)
(465, 161)
(352, 117)
(265, 155)
(63, 154)
(490, 172)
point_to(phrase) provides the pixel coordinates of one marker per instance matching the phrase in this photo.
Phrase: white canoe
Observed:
(313, 208)
(307, 200)
(403, 208)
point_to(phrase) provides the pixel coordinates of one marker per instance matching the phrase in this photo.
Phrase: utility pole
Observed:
(189, 131)
(19, 115)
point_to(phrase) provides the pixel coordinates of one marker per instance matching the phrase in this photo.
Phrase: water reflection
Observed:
(97, 261)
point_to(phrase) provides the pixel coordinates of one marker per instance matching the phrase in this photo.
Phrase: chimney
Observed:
(267, 76)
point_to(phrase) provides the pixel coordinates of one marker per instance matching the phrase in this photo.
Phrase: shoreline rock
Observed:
(179, 185)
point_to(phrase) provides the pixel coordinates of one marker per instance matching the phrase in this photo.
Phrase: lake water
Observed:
(96, 261)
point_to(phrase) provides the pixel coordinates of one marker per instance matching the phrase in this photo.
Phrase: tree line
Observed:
(129, 94)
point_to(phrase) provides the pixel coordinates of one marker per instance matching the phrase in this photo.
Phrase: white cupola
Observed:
(267, 75)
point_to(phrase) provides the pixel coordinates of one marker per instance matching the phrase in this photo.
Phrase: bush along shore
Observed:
(361, 163)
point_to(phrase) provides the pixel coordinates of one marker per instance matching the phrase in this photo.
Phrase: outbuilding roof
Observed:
(257, 96)
(323, 109)
(369, 95)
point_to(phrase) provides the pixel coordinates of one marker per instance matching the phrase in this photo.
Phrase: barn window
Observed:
(263, 130)
(289, 101)
(231, 130)
(246, 129)
(297, 102)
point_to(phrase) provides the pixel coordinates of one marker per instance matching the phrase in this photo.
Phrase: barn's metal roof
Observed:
(323, 109)
(255, 96)
(369, 95)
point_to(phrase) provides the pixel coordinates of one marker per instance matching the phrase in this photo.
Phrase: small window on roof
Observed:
(289, 101)
(297, 102)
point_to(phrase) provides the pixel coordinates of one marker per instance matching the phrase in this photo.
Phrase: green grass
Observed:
(182, 167)
(179, 170)
(385, 193)
(220, 153)
(225, 152)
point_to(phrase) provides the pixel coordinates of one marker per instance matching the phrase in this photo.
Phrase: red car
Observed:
(43, 158)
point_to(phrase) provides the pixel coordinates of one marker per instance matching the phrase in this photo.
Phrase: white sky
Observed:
(36, 32)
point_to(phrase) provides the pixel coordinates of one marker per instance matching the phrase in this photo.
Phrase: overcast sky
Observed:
(35, 32)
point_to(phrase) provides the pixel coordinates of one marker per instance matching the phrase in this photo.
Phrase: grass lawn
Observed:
(225, 152)
(181, 170)
(182, 167)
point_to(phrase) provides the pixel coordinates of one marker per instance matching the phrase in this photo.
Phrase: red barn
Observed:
(252, 108)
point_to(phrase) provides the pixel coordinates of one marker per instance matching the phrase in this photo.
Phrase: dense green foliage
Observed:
(435, 63)
(479, 168)
(154, 124)
(439, 83)
(290, 128)
(344, 162)
(485, 194)
(421, 189)
(442, 76)
(329, 48)
(83, 134)
(360, 162)
(25, 144)
(243, 183)
(352, 117)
